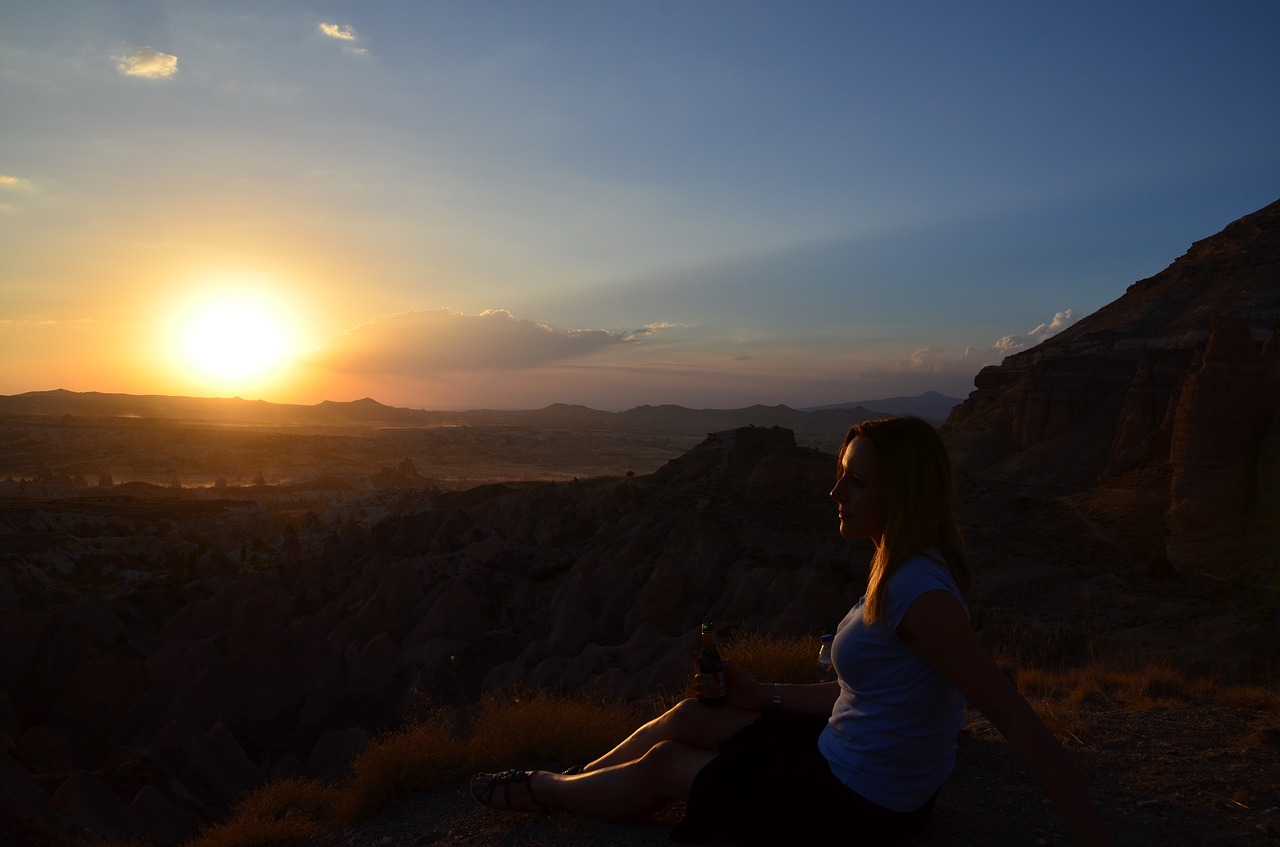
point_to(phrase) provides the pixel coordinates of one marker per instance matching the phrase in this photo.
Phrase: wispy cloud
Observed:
(345, 33)
(929, 357)
(650, 329)
(1010, 344)
(11, 185)
(49, 322)
(15, 183)
(148, 64)
(938, 366)
(424, 343)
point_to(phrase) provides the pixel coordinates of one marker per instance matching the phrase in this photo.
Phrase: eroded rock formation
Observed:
(1181, 369)
(205, 680)
(1225, 410)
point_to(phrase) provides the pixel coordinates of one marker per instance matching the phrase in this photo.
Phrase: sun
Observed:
(232, 339)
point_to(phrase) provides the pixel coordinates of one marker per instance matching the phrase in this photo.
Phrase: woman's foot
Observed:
(509, 790)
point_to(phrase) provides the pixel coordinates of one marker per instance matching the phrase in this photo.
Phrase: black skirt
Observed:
(771, 786)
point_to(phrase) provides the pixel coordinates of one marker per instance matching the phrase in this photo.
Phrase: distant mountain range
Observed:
(823, 425)
(931, 405)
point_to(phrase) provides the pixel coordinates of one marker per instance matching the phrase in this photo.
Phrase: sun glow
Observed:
(232, 339)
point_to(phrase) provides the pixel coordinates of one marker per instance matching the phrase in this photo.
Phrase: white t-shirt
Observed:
(892, 733)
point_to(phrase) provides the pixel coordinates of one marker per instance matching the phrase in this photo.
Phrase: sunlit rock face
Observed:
(1181, 369)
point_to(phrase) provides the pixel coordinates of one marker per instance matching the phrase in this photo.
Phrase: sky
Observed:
(462, 205)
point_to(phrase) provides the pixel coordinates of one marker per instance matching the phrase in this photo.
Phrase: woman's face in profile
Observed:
(858, 492)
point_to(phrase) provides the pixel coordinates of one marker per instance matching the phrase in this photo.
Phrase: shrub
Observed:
(293, 797)
(242, 831)
(532, 726)
(420, 757)
(774, 658)
(280, 814)
(1251, 697)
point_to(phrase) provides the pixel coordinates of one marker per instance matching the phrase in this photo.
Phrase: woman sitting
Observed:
(784, 764)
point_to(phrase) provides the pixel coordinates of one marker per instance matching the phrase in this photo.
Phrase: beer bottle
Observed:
(711, 688)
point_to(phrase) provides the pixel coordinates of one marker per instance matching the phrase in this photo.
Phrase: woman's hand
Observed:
(742, 690)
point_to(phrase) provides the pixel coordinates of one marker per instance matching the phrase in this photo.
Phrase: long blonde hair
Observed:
(919, 502)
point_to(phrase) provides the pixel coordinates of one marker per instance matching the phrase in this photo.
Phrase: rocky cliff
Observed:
(1182, 369)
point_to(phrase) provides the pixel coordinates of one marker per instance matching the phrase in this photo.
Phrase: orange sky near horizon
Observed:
(444, 208)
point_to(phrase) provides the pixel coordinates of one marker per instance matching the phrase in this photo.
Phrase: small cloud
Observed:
(650, 329)
(342, 32)
(1010, 344)
(1061, 320)
(15, 183)
(929, 357)
(148, 64)
(421, 344)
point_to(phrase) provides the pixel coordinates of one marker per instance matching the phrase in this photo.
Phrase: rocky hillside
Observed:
(160, 655)
(1183, 370)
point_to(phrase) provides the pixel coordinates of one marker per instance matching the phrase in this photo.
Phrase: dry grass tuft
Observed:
(764, 657)
(538, 726)
(1156, 686)
(1061, 719)
(289, 797)
(1266, 737)
(774, 658)
(420, 757)
(1065, 697)
(1251, 697)
(280, 814)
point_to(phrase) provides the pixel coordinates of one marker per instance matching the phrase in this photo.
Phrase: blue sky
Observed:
(460, 205)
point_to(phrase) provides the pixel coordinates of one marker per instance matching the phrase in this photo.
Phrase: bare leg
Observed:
(621, 792)
(688, 722)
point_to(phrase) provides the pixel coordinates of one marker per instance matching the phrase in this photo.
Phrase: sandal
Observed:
(484, 787)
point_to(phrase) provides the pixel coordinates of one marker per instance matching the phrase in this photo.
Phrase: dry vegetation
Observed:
(439, 748)
(435, 750)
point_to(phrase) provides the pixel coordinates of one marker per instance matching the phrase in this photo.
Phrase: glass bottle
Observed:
(711, 686)
(826, 670)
